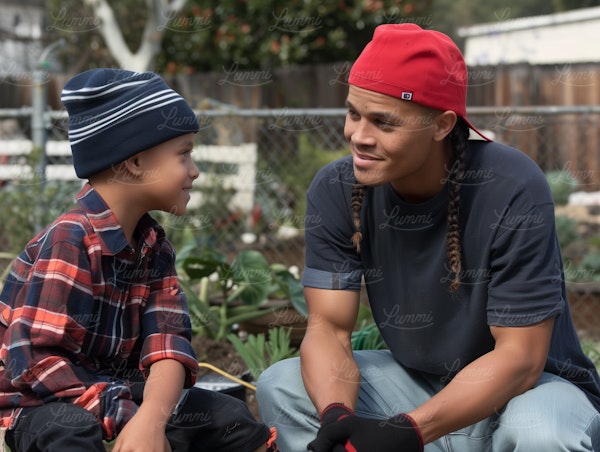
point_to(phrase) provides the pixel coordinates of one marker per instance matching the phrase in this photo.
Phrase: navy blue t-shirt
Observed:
(512, 272)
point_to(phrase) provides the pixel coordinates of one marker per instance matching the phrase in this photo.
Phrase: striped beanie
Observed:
(114, 114)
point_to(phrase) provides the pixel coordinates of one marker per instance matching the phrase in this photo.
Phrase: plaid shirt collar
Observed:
(107, 226)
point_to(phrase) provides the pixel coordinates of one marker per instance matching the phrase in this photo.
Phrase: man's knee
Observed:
(554, 415)
(282, 376)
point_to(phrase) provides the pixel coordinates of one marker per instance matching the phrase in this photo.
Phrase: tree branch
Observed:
(160, 13)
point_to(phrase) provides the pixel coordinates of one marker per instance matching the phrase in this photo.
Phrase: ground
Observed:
(222, 354)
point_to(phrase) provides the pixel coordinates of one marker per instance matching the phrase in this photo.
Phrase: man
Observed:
(456, 241)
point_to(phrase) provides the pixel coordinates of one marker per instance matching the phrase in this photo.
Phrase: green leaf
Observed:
(368, 338)
(202, 316)
(292, 289)
(204, 264)
(250, 271)
(239, 315)
(258, 353)
(252, 352)
(278, 346)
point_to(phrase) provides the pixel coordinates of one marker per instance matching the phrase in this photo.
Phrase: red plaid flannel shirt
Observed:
(80, 306)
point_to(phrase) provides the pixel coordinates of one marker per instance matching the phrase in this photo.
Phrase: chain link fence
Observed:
(291, 145)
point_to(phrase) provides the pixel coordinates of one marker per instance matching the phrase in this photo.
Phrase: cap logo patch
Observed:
(406, 95)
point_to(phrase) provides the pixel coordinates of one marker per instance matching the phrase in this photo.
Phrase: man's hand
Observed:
(342, 430)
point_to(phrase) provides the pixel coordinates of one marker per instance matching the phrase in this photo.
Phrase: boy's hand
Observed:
(143, 433)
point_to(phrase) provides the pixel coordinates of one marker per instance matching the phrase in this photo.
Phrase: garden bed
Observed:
(222, 354)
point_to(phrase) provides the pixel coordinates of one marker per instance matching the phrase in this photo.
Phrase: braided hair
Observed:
(458, 136)
(358, 192)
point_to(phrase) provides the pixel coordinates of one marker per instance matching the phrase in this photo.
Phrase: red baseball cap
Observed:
(415, 65)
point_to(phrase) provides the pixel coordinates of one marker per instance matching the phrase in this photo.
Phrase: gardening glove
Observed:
(334, 412)
(346, 432)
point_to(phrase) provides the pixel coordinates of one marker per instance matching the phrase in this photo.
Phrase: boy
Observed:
(93, 303)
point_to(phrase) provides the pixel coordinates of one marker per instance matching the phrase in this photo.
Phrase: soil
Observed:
(222, 354)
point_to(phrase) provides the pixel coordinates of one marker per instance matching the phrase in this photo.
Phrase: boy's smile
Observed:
(167, 174)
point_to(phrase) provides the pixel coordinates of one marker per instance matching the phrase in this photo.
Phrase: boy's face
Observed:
(167, 173)
(393, 141)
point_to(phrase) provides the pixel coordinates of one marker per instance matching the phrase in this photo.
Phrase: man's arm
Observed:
(328, 368)
(484, 386)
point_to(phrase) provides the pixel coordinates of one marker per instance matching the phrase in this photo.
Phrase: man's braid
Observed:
(358, 192)
(459, 139)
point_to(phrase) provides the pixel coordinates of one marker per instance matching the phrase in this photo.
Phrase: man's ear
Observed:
(444, 123)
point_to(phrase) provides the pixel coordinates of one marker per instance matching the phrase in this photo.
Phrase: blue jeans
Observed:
(553, 416)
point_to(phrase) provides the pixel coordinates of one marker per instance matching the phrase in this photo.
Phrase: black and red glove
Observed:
(342, 431)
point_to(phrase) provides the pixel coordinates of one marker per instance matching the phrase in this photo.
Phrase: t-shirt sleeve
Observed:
(331, 259)
(525, 261)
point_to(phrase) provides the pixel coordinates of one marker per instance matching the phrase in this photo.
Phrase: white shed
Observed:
(561, 38)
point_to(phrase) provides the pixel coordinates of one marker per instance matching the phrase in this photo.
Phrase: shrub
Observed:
(311, 159)
(221, 294)
(26, 208)
(566, 229)
(258, 353)
(562, 184)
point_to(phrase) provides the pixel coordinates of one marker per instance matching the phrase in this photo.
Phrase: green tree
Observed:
(258, 34)
(208, 35)
(131, 30)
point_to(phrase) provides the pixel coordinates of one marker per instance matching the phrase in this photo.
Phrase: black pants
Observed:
(204, 421)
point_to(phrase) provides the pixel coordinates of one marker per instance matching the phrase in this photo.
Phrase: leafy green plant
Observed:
(258, 353)
(367, 338)
(590, 266)
(4, 271)
(566, 229)
(222, 294)
(310, 158)
(562, 184)
(592, 350)
(27, 206)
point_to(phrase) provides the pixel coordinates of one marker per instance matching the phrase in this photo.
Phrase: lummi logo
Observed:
(399, 320)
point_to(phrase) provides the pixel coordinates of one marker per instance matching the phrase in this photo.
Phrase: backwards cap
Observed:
(409, 63)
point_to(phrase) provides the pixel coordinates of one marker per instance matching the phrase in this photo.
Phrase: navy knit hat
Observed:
(114, 114)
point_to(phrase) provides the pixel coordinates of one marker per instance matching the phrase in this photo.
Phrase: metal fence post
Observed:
(39, 121)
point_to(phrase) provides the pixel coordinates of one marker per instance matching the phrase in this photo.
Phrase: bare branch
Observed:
(160, 13)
